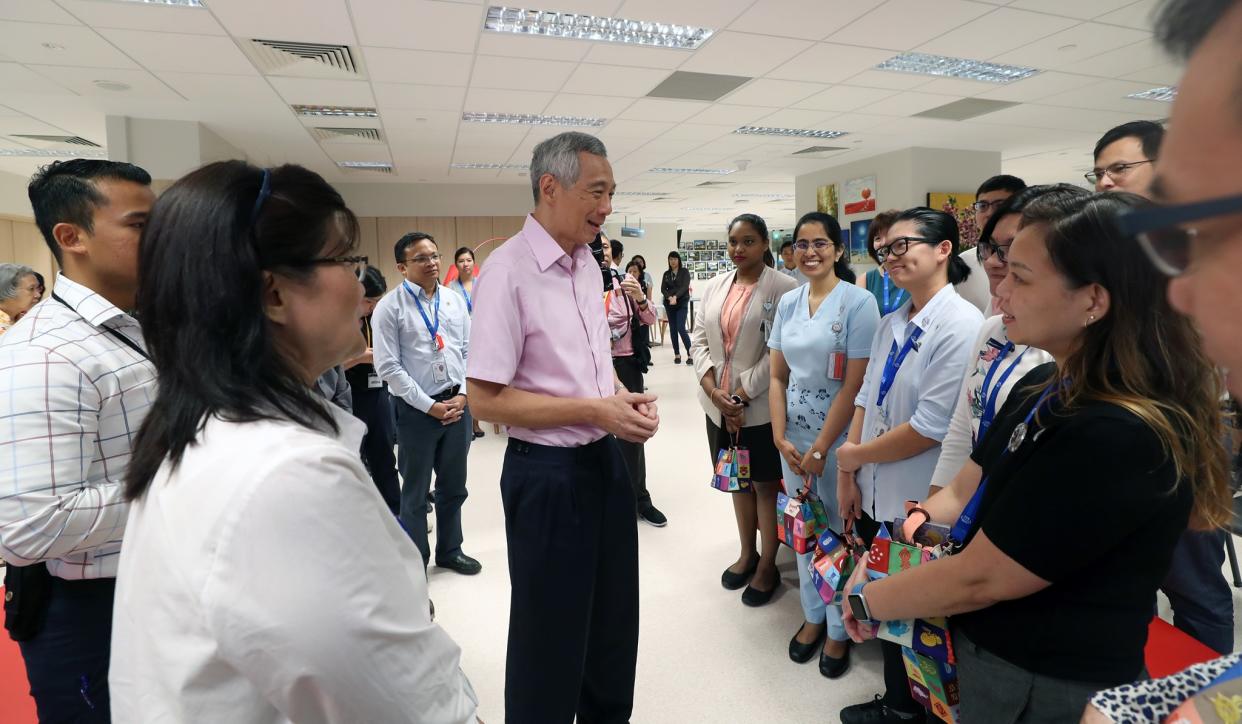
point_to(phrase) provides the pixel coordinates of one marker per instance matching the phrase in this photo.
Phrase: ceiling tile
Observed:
(655, 109)
(907, 104)
(792, 118)
(614, 80)
(135, 16)
(529, 46)
(16, 78)
(329, 21)
(905, 24)
(1039, 86)
(697, 132)
(713, 14)
(356, 152)
(1137, 15)
(772, 93)
(1109, 95)
(1056, 117)
(809, 19)
(958, 87)
(221, 89)
(733, 53)
(572, 104)
(35, 11)
(1072, 8)
(722, 114)
(1157, 75)
(486, 100)
(429, 97)
(80, 46)
(997, 32)
(417, 24)
(830, 62)
(625, 128)
(520, 73)
(418, 66)
(185, 53)
(1127, 59)
(844, 98)
(860, 122)
(143, 85)
(1068, 49)
(892, 80)
(313, 91)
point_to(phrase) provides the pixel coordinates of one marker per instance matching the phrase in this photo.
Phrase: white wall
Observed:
(372, 199)
(13, 198)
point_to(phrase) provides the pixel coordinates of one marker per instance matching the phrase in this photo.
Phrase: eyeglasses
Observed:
(1115, 171)
(821, 245)
(985, 249)
(749, 242)
(1161, 235)
(423, 259)
(982, 206)
(356, 264)
(900, 245)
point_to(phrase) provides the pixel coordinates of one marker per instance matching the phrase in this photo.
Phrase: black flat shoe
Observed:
(753, 597)
(478, 434)
(834, 668)
(801, 653)
(733, 581)
(677, 360)
(460, 563)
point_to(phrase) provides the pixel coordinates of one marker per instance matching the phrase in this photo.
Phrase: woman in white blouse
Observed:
(262, 577)
(903, 410)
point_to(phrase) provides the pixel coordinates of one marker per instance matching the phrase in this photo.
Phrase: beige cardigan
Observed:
(750, 368)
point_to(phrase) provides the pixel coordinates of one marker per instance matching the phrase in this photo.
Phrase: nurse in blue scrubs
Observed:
(821, 340)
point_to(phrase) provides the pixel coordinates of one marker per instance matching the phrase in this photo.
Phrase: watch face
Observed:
(816, 454)
(858, 607)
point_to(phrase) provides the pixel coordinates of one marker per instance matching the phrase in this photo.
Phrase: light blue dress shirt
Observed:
(405, 350)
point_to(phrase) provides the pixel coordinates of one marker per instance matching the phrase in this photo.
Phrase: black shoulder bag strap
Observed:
(114, 333)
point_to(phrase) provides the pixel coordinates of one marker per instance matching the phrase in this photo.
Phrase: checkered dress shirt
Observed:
(72, 397)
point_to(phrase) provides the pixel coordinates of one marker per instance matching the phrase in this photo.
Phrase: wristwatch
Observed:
(817, 455)
(858, 604)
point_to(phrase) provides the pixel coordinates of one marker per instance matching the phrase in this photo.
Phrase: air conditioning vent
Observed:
(369, 169)
(46, 140)
(313, 60)
(714, 183)
(347, 135)
(818, 149)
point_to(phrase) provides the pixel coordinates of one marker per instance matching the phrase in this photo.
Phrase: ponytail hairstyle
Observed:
(938, 225)
(840, 267)
(756, 221)
(463, 250)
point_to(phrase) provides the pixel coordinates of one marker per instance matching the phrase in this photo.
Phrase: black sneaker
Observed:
(875, 712)
(652, 516)
(690, 361)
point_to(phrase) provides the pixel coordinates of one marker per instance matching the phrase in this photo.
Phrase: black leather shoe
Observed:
(875, 712)
(460, 563)
(677, 360)
(801, 653)
(733, 581)
(834, 668)
(754, 597)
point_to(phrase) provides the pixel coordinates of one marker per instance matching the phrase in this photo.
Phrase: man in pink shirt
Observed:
(540, 363)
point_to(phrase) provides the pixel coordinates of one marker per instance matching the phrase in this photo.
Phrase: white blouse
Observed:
(264, 580)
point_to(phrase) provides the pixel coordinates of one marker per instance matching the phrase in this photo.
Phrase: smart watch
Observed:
(817, 455)
(858, 604)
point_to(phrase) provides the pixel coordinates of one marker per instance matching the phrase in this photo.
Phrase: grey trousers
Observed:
(995, 691)
(425, 446)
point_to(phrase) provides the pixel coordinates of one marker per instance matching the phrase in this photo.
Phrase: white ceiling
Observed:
(424, 62)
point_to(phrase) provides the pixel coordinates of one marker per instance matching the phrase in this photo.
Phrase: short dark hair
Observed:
(1149, 133)
(789, 244)
(616, 247)
(634, 264)
(879, 224)
(373, 282)
(941, 226)
(463, 250)
(405, 242)
(1001, 182)
(64, 192)
(841, 267)
(202, 257)
(1181, 25)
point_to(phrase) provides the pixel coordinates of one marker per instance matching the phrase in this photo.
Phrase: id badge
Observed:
(836, 366)
(374, 382)
(439, 370)
(881, 423)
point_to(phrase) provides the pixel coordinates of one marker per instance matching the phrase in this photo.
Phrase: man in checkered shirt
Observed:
(75, 385)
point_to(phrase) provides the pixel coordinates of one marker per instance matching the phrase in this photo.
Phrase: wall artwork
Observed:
(960, 205)
(860, 195)
(860, 233)
(826, 199)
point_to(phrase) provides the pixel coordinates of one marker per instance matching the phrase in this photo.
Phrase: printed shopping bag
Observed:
(800, 519)
(833, 563)
(732, 472)
(934, 685)
(928, 637)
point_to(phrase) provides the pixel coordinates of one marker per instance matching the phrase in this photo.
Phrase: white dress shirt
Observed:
(264, 580)
(405, 350)
(923, 393)
(72, 397)
(964, 427)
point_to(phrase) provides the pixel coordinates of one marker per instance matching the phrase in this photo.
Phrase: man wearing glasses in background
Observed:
(991, 194)
(1125, 157)
(420, 341)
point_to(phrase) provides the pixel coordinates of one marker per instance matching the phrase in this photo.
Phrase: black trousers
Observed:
(633, 453)
(424, 446)
(896, 682)
(67, 661)
(374, 407)
(677, 326)
(1201, 598)
(573, 565)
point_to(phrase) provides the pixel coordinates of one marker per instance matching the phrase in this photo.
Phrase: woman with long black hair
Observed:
(675, 289)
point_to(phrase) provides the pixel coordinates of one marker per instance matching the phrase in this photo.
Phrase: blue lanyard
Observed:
(433, 330)
(967, 519)
(893, 364)
(890, 307)
(466, 294)
(989, 401)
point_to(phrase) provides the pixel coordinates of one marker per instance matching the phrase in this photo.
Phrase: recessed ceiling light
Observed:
(54, 153)
(111, 85)
(796, 132)
(340, 111)
(365, 164)
(533, 119)
(1165, 94)
(594, 27)
(492, 166)
(172, 3)
(667, 169)
(946, 67)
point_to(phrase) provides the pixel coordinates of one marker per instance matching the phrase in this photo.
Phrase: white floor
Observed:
(703, 656)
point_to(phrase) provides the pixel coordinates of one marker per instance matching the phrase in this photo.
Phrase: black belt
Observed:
(590, 452)
(447, 395)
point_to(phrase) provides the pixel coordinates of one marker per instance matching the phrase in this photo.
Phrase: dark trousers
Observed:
(1201, 598)
(573, 564)
(374, 407)
(677, 324)
(633, 453)
(425, 446)
(67, 661)
(896, 683)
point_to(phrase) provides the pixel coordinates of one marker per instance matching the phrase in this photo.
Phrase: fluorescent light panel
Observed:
(335, 111)
(1165, 94)
(364, 164)
(492, 166)
(553, 24)
(640, 193)
(717, 171)
(54, 153)
(794, 132)
(964, 68)
(173, 3)
(532, 119)
(763, 196)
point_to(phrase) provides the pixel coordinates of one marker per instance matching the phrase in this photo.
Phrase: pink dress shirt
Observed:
(539, 326)
(619, 319)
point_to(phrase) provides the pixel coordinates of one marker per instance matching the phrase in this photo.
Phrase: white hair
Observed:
(11, 276)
